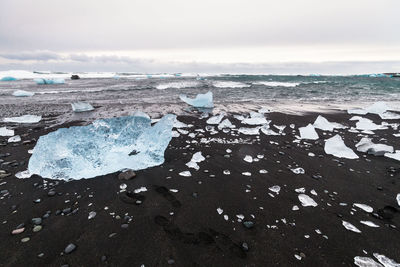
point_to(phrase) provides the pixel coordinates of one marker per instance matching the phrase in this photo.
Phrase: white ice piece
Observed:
(24, 119)
(14, 139)
(386, 261)
(200, 101)
(325, 125)
(216, 119)
(370, 224)
(395, 155)
(249, 131)
(81, 107)
(364, 207)
(307, 201)
(366, 262)
(275, 189)
(350, 227)
(225, 124)
(336, 147)
(185, 174)
(367, 146)
(308, 132)
(23, 174)
(22, 93)
(365, 124)
(6, 132)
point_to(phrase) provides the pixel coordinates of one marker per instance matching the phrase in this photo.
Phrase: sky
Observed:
(237, 36)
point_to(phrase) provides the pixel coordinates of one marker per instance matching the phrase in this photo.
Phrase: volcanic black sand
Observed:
(175, 222)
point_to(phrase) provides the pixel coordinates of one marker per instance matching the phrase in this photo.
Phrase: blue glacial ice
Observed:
(81, 107)
(22, 93)
(24, 119)
(49, 81)
(103, 147)
(200, 101)
(8, 79)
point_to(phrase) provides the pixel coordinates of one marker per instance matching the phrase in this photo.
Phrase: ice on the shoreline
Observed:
(255, 119)
(226, 124)
(216, 119)
(196, 158)
(325, 125)
(49, 81)
(367, 146)
(367, 124)
(387, 262)
(24, 119)
(366, 262)
(265, 129)
(336, 147)
(249, 131)
(23, 174)
(308, 132)
(364, 207)
(8, 79)
(81, 107)
(275, 189)
(22, 93)
(398, 199)
(105, 146)
(379, 108)
(307, 201)
(395, 155)
(185, 174)
(370, 224)
(14, 139)
(350, 227)
(200, 101)
(6, 132)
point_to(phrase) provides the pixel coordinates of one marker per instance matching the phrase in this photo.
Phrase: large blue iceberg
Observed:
(49, 81)
(8, 79)
(200, 101)
(105, 146)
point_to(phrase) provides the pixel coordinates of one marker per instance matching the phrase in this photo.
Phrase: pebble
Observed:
(71, 247)
(124, 226)
(248, 224)
(37, 221)
(37, 228)
(127, 175)
(171, 261)
(37, 200)
(51, 193)
(25, 239)
(103, 258)
(17, 231)
(245, 246)
(92, 214)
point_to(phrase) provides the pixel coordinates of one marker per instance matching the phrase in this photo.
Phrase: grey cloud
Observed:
(32, 55)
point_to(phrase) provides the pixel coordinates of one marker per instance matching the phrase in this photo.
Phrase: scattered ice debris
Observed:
(139, 190)
(264, 110)
(350, 227)
(369, 223)
(367, 146)
(365, 262)
(6, 132)
(248, 159)
(226, 217)
(262, 171)
(395, 155)
(216, 119)
(24, 119)
(336, 147)
(22, 93)
(313, 192)
(123, 186)
(275, 189)
(225, 124)
(255, 119)
(379, 108)
(249, 131)
(14, 139)
(325, 125)
(307, 201)
(81, 107)
(228, 150)
(308, 132)
(365, 124)
(91, 215)
(185, 174)
(23, 174)
(386, 261)
(196, 158)
(364, 207)
(220, 211)
(265, 129)
(175, 134)
(105, 146)
(298, 257)
(49, 81)
(200, 101)
(298, 171)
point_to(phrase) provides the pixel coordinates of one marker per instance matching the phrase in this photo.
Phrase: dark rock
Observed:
(127, 175)
(248, 224)
(51, 193)
(171, 261)
(37, 221)
(103, 258)
(66, 210)
(75, 77)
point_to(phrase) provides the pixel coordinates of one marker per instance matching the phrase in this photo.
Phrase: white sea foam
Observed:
(277, 84)
(177, 85)
(229, 84)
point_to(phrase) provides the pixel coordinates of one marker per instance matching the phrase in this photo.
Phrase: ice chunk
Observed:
(185, 174)
(308, 132)
(6, 132)
(23, 174)
(370, 224)
(200, 101)
(215, 119)
(365, 262)
(8, 79)
(265, 129)
(336, 147)
(398, 199)
(23, 93)
(24, 119)
(248, 159)
(81, 107)
(366, 124)
(325, 125)
(298, 170)
(225, 124)
(365, 145)
(179, 124)
(395, 155)
(105, 146)
(275, 189)
(49, 81)
(386, 261)
(307, 201)
(364, 207)
(249, 131)
(14, 139)
(255, 119)
(139, 113)
(196, 158)
(350, 227)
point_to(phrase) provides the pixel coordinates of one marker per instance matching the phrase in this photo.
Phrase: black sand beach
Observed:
(175, 222)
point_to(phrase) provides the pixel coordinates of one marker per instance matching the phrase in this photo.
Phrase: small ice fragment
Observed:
(200, 101)
(226, 172)
(364, 207)
(22, 93)
(249, 131)
(228, 150)
(262, 171)
(8, 79)
(275, 189)
(220, 211)
(313, 192)
(336, 147)
(215, 119)
(226, 217)
(301, 190)
(350, 227)
(225, 124)
(196, 158)
(369, 223)
(122, 186)
(310, 154)
(14, 139)
(307, 201)
(367, 124)
(248, 159)
(24, 119)
(23, 174)
(179, 124)
(81, 107)
(185, 174)
(297, 257)
(6, 132)
(295, 207)
(365, 262)
(298, 170)
(141, 189)
(246, 173)
(386, 261)
(255, 119)
(395, 155)
(92, 214)
(398, 199)
(265, 129)
(308, 132)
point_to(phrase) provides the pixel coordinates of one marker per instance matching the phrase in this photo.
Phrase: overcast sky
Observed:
(207, 35)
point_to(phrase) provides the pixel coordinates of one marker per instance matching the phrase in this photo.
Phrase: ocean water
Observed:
(120, 93)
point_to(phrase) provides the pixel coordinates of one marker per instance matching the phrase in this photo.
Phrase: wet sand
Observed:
(176, 221)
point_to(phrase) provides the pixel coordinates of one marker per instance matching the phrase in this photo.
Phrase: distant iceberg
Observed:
(8, 79)
(81, 107)
(200, 101)
(22, 93)
(49, 81)
(24, 119)
(105, 146)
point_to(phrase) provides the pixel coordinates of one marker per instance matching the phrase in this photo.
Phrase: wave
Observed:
(278, 84)
(230, 84)
(177, 85)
